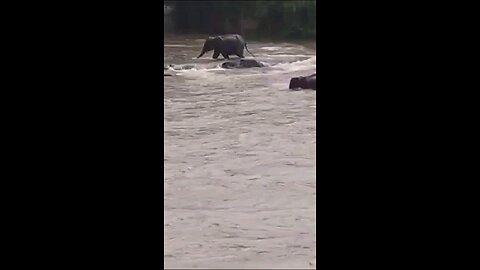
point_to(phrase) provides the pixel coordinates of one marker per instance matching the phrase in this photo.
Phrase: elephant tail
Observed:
(248, 50)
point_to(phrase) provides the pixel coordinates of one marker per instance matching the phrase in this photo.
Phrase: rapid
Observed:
(239, 159)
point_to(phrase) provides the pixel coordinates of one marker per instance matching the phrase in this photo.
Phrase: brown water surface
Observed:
(239, 160)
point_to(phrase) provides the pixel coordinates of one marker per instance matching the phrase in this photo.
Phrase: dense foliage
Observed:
(274, 19)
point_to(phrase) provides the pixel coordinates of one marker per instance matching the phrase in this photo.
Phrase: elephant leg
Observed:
(240, 53)
(225, 56)
(216, 54)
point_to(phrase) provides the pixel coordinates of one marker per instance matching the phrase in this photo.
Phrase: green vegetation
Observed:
(259, 19)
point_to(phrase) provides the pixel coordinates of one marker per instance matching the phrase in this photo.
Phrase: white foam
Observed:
(286, 68)
(298, 65)
(205, 70)
(271, 48)
(196, 73)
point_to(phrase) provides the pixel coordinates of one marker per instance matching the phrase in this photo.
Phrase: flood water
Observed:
(239, 159)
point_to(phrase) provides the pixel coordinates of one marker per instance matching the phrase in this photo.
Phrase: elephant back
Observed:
(234, 38)
(232, 43)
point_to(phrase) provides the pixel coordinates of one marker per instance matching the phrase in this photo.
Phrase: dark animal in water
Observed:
(225, 45)
(308, 82)
(243, 63)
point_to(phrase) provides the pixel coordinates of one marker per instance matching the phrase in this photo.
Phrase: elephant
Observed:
(308, 82)
(243, 63)
(225, 45)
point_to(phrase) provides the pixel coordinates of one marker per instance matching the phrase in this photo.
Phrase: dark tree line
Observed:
(271, 19)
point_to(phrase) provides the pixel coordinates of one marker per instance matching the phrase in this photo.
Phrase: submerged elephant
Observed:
(309, 82)
(225, 45)
(243, 63)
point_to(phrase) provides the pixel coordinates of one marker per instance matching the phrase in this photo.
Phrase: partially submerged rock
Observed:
(308, 82)
(242, 63)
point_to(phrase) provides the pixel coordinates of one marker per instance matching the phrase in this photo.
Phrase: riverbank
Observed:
(274, 19)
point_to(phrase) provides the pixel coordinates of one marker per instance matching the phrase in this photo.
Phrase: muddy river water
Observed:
(239, 159)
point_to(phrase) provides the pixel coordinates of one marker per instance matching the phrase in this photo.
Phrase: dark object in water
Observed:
(243, 63)
(225, 45)
(309, 82)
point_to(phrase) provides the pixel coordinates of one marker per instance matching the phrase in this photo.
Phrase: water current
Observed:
(239, 159)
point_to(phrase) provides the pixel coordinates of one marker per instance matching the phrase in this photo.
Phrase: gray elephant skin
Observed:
(308, 82)
(242, 63)
(225, 45)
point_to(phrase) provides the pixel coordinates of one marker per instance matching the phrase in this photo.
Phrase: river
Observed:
(239, 159)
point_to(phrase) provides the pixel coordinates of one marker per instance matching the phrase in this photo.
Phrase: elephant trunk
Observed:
(201, 54)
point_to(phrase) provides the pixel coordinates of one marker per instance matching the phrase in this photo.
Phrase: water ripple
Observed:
(239, 160)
